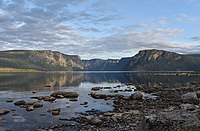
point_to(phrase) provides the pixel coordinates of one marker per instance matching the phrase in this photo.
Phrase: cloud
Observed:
(195, 38)
(185, 18)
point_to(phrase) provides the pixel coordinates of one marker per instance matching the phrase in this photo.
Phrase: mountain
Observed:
(100, 65)
(160, 60)
(42, 60)
(149, 60)
(145, 60)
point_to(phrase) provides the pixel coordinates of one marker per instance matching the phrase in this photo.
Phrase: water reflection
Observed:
(52, 81)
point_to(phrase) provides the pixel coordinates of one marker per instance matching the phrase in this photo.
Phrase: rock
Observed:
(64, 118)
(98, 96)
(30, 108)
(107, 88)
(48, 98)
(9, 101)
(136, 96)
(21, 102)
(73, 99)
(96, 88)
(189, 97)
(34, 92)
(48, 86)
(116, 91)
(2, 120)
(37, 104)
(95, 121)
(55, 112)
(189, 107)
(84, 103)
(4, 112)
(58, 94)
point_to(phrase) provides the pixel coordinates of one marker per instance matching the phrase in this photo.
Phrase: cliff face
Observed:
(159, 60)
(149, 60)
(45, 60)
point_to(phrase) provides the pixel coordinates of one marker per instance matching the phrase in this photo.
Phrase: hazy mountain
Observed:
(44, 60)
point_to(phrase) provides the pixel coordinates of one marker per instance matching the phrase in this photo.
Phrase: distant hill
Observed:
(145, 60)
(42, 60)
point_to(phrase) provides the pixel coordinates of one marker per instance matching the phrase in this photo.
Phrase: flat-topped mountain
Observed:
(145, 60)
(42, 60)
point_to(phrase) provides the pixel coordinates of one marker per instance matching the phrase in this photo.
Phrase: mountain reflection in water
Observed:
(44, 81)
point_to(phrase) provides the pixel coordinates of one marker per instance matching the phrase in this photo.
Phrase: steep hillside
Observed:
(42, 60)
(159, 60)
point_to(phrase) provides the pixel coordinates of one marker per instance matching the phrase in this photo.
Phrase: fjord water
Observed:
(20, 86)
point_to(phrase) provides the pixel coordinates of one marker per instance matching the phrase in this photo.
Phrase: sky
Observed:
(100, 28)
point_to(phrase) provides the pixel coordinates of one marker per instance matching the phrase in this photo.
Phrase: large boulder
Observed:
(61, 94)
(189, 97)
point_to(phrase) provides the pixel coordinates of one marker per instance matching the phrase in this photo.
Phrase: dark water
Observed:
(19, 86)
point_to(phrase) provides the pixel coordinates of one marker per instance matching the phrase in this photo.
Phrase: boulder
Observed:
(96, 88)
(37, 104)
(95, 121)
(189, 97)
(4, 112)
(136, 96)
(21, 102)
(58, 94)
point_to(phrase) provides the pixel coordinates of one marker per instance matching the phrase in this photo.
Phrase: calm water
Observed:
(19, 86)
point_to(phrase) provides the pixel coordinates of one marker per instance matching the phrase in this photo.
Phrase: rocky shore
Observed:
(152, 108)
(164, 108)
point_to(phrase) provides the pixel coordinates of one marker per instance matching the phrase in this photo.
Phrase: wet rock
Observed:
(2, 120)
(107, 88)
(189, 97)
(64, 118)
(34, 92)
(9, 101)
(21, 102)
(136, 96)
(58, 94)
(37, 104)
(96, 88)
(73, 99)
(4, 111)
(128, 90)
(98, 96)
(116, 91)
(48, 98)
(55, 111)
(30, 108)
(84, 103)
(95, 121)
(189, 107)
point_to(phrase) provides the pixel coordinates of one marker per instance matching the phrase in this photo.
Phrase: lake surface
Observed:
(19, 86)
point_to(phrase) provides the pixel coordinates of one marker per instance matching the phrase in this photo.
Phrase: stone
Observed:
(30, 108)
(189, 107)
(189, 97)
(136, 96)
(37, 104)
(55, 112)
(4, 111)
(96, 88)
(21, 102)
(57, 94)
(2, 120)
(95, 121)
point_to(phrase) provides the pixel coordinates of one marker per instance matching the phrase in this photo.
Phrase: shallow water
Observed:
(19, 86)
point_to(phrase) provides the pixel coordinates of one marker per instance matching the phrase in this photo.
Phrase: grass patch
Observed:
(16, 70)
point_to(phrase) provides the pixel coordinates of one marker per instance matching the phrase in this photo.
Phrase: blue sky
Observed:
(100, 28)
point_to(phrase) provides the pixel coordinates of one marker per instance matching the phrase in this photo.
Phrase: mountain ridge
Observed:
(147, 60)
